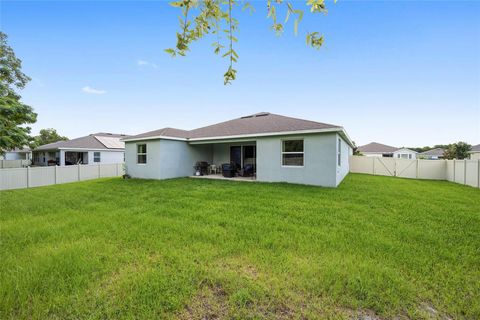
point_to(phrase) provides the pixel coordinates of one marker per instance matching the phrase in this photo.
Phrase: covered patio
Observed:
(226, 160)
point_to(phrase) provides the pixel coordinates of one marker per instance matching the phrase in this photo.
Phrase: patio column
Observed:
(62, 157)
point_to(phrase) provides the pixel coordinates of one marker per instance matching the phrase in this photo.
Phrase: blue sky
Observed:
(404, 73)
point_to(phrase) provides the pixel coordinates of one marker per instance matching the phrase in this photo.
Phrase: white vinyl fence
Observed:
(17, 178)
(14, 163)
(465, 172)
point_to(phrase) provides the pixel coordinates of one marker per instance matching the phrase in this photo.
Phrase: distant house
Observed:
(267, 147)
(375, 149)
(97, 148)
(475, 152)
(17, 154)
(432, 154)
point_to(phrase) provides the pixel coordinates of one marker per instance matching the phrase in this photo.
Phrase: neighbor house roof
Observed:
(261, 123)
(433, 152)
(475, 149)
(101, 140)
(375, 147)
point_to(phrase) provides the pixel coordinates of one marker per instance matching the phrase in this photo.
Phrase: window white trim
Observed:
(141, 153)
(292, 152)
(95, 157)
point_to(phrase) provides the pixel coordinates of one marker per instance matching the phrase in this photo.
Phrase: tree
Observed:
(47, 136)
(457, 150)
(203, 17)
(13, 113)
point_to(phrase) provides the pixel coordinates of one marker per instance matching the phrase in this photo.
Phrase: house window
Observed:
(292, 153)
(96, 157)
(141, 153)
(339, 153)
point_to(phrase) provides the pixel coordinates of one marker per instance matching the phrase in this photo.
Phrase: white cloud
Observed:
(143, 63)
(90, 90)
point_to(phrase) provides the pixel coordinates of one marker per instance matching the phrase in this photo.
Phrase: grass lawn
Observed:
(205, 249)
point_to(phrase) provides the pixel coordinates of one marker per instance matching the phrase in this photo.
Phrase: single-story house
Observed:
(432, 154)
(17, 154)
(271, 147)
(475, 152)
(375, 149)
(405, 153)
(97, 148)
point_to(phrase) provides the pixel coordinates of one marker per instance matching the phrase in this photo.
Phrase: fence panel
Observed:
(471, 170)
(88, 172)
(108, 170)
(67, 174)
(450, 174)
(17, 178)
(41, 176)
(14, 163)
(362, 164)
(432, 169)
(406, 168)
(458, 171)
(13, 178)
(384, 166)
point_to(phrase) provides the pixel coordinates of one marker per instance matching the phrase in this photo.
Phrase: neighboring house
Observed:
(433, 154)
(475, 152)
(17, 154)
(375, 149)
(279, 148)
(96, 148)
(405, 153)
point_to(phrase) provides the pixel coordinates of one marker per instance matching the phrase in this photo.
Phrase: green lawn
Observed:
(204, 249)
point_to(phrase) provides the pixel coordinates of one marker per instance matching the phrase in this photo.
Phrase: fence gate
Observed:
(384, 166)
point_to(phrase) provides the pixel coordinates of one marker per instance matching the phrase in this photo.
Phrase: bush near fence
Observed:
(17, 178)
(465, 172)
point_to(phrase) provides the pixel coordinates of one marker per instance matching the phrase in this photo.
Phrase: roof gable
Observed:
(375, 147)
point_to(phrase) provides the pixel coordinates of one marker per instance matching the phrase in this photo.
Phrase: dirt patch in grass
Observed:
(211, 302)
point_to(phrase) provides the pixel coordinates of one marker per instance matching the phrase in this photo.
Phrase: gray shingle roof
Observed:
(433, 152)
(165, 132)
(375, 147)
(475, 148)
(87, 142)
(259, 123)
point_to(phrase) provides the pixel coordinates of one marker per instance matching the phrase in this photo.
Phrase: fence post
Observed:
(28, 177)
(478, 175)
(56, 174)
(416, 176)
(454, 169)
(373, 165)
(78, 171)
(98, 170)
(116, 170)
(465, 171)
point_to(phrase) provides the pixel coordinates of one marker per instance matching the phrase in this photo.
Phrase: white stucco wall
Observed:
(106, 157)
(475, 156)
(409, 154)
(149, 170)
(319, 160)
(165, 159)
(344, 168)
(177, 158)
(15, 156)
